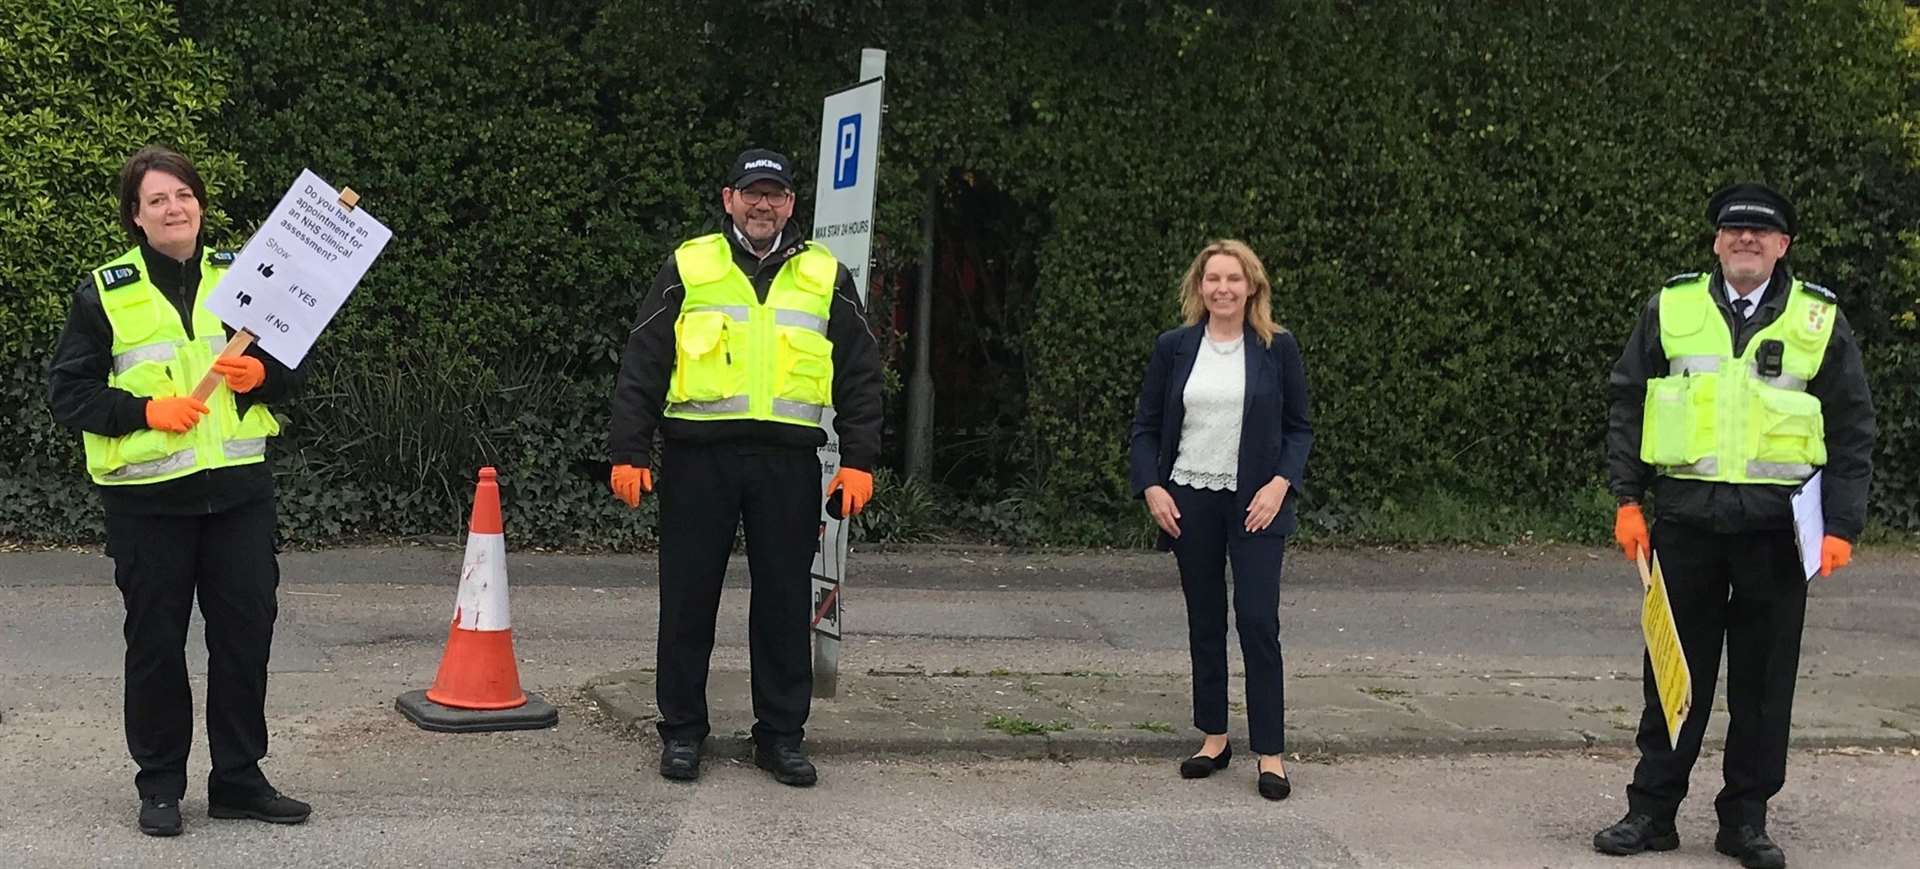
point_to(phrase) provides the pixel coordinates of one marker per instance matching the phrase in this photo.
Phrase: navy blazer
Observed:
(1275, 433)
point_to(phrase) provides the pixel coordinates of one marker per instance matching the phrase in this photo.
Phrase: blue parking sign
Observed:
(846, 153)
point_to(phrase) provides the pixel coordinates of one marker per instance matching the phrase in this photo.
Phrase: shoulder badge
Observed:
(118, 276)
(1821, 291)
(1681, 278)
(222, 258)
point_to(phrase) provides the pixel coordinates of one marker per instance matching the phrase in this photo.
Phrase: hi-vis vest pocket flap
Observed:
(698, 333)
(1683, 313)
(1784, 412)
(814, 273)
(807, 346)
(1678, 427)
(135, 316)
(704, 261)
(149, 445)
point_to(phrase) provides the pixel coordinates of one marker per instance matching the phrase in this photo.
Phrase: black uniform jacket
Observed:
(640, 391)
(81, 400)
(1845, 402)
(1275, 432)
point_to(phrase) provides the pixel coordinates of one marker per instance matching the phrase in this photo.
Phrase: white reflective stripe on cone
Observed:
(482, 604)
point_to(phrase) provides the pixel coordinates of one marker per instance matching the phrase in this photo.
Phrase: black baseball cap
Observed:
(1751, 204)
(760, 164)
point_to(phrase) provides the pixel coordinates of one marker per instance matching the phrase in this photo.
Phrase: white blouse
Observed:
(1210, 434)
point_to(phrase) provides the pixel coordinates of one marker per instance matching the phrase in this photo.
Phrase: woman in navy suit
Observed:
(1219, 444)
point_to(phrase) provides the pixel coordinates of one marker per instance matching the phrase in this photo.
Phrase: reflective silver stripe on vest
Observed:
(1779, 471)
(736, 404)
(1693, 365)
(144, 353)
(800, 319)
(216, 344)
(246, 448)
(737, 312)
(1706, 467)
(1783, 381)
(798, 410)
(179, 461)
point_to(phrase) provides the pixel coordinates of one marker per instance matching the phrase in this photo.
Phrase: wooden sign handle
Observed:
(1646, 576)
(237, 345)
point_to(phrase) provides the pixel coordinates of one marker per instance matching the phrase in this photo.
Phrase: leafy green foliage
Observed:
(1462, 207)
(83, 84)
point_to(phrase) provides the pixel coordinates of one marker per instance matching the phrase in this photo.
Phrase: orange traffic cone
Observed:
(478, 686)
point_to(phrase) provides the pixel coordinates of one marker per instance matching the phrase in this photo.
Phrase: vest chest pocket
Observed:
(1790, 427)
(805, 367)
(707, 366)
(1679, 425)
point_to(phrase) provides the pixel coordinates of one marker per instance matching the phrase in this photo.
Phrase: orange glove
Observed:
(243, 373)
(856, 488)
(629, 482)
(1630, 530)
(1834, 554)
(176, 415)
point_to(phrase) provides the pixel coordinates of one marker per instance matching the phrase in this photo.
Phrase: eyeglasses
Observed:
(775, 198)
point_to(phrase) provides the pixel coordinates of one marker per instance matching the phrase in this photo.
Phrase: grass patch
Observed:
(1385, 693)
(1014, 725)
(1153, 726)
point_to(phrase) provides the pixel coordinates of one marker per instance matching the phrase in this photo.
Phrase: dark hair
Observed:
(148, 159)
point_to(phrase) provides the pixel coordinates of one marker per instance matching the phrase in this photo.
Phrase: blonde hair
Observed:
(1259, 298)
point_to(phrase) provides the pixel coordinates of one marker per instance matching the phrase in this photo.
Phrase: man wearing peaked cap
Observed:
(1745, 341)
(1750, 205)
(748, 337)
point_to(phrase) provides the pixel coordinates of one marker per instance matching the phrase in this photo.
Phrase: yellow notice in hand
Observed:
(1670, 673)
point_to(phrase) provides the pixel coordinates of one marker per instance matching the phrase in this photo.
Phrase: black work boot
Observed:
(1635, 833)
(680, 759)
(1751, 846)
(788, 763)
(273, 807)
(160, 816)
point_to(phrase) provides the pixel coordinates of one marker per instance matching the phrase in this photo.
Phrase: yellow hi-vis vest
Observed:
(154, 357)
(1716, 416)
(736, 358)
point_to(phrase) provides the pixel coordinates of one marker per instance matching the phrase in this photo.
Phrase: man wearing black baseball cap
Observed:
(748, 337)
(1736, 386)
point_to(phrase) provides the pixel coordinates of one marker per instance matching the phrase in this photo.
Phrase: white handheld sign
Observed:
(294, 274)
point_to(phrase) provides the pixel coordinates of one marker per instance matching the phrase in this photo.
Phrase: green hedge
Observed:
(83, 83)
(1463, 206)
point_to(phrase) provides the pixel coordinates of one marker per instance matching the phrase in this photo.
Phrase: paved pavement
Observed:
(1452, 708)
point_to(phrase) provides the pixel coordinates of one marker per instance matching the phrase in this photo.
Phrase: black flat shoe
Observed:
(274, 808)
(680, 760)
(160, 816)
(1636, 833)
(1751, 846)
(1274, 786)
(788, 763)
(1201, 766)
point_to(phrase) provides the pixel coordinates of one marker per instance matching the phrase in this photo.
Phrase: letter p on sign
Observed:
(846, 153)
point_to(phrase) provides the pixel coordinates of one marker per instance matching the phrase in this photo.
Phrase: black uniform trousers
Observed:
(706, 492)
(1210, 536)
(1748, 588)
(160, 564)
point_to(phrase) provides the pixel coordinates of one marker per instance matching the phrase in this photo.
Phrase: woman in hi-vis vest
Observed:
(1219, 444)
(187, 492)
